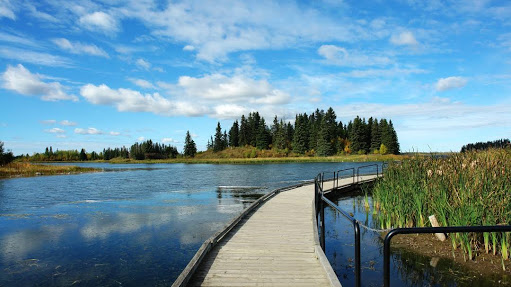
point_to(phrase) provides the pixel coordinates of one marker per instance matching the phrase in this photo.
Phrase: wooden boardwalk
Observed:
(274, 246)
(272, 243)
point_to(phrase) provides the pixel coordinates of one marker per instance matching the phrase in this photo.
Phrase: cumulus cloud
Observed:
(405, 38)
(340, 56)
(450, 83)
(22, 81)
(55, 131)
(88, 131)
(215, 95)
(79, 48)
(67, 123)
(99, 21)
(235, 89)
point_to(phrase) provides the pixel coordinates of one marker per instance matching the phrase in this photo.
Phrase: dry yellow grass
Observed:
(24, 169)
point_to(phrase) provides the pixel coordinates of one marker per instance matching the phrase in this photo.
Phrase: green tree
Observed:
(375, 135)
(190, 149)
(218, 142)
(234, 135)
(263, 136)
(83, 155)
(301, 134)
(243, 134)
(5, 156)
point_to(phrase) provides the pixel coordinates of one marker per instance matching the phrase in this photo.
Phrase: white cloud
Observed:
(188, 48)
(141, 63)
(61, 136)
(67, 123)
(140, 139)
(20, 79)
(450, 83)
(17, 39)
(79, 48)
(55, 131)
(99, 21)
(142, 83)
(235, 89)
(217, 30)
(114, 133)
(40, 15)
(169, 140)
(48, 122)
(37, 58)
(88, 131)
(6, 10)
(405, 38)
(340, 56)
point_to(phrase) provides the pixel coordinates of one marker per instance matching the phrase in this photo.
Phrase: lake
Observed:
(133, 224)
(140, 224)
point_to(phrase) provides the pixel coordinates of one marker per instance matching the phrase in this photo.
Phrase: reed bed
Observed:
(24, 169)
(465, 189)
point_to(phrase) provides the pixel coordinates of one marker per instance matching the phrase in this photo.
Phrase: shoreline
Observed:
(236, 160)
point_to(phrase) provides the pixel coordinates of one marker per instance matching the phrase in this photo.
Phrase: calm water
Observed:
(407, 268)
(131, 225)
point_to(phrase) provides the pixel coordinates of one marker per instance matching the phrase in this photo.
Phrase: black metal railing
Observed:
(369, 166)
(422, 230)
(320, 200)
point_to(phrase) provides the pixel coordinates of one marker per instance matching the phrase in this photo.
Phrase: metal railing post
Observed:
(322, 216)
(357, 254)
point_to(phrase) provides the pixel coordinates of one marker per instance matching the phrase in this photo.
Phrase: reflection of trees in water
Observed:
(244, 196)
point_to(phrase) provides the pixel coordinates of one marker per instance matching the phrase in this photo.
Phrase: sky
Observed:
(97, 74)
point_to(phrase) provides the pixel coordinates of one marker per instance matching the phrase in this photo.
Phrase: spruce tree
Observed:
(263, 136)
(375, 135)
(243, 134)
(83, 155)
(218, 141)
(190, 149)
(234, 135)
(301, 134)
(324, 146)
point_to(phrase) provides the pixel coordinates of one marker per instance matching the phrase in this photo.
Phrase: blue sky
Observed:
(98, 74)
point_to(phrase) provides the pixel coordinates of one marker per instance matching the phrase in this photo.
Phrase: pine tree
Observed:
(243, 134)
(83, 155)
(263, 136)
(301, 134)
(190, 148)
(218, 141)
(234, 135)
(375, 135)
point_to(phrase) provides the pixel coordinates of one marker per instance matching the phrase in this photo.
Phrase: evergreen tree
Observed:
(234, 135)
(243, 134)
(218, 143)
(375, 135)
(83, 155)
(301, 134)
(190, 149)
(263, 136)
(394, 143)
(324, 146)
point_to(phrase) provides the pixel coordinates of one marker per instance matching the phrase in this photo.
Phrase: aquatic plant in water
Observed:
(465, 189)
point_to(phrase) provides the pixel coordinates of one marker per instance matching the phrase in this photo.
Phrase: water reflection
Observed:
(139, 227)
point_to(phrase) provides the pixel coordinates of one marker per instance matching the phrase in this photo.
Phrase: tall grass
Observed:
(465, 189)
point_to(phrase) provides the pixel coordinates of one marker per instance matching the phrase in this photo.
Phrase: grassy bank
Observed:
(464, 189)
(23, 169)
(252, 155)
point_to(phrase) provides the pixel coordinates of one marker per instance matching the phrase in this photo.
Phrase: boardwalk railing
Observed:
(320, 200)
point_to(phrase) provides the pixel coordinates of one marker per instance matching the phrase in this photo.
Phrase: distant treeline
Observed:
(316, 134)
(502, 143)
(145, 150)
